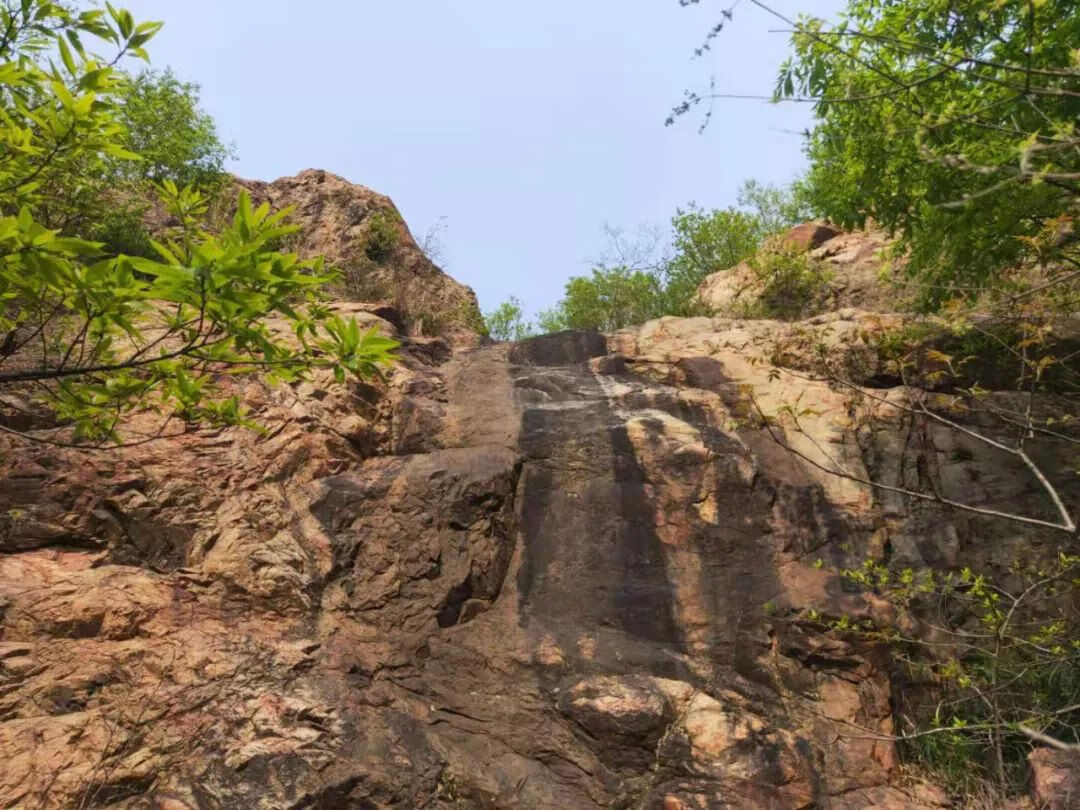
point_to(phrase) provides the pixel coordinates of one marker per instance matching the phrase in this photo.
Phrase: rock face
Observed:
(557, 574)
(361, 233)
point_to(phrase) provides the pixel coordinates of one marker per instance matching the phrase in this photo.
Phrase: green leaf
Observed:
(76, 42)
(64, 95)
(65, 55)
(164, 252)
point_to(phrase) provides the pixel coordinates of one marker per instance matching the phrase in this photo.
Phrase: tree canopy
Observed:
(639, 278)
(94, 337)
(173, 136)
(703, 243)
(508, 321)
(952, 124)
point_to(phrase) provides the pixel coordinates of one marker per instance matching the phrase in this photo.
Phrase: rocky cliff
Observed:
(559, 574)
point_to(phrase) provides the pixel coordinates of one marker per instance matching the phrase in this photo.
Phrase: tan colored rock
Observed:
(916, 797)
(555, 575)
(1055, 778)
(614, 707)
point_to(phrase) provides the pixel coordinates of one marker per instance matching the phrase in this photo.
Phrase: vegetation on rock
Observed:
(791, 282)
(94, 336)
(507, 322)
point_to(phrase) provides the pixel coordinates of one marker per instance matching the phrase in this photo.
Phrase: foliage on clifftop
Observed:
(638, 277)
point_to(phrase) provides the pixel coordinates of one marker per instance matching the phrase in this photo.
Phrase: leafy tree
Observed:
(705, 242)
(107, 196)
(610, 298)
(96, 338)
(174, 137)
(508, 321)
(636, 279)
(951, 124)
(776, 208)
(552, 320)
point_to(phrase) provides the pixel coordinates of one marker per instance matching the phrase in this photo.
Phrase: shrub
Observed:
(122, 230)
(381, 237)
(1004, 665)
(471, 318)
(792, 283)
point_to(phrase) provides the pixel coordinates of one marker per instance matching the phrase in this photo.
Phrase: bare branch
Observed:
(1045, 739)
(923, 496)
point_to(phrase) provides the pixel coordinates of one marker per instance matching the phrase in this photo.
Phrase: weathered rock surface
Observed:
(556, 574)
(337, 219)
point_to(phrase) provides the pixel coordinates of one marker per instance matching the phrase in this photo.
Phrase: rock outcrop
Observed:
(564, 573)
(361, 233)
(856, 273)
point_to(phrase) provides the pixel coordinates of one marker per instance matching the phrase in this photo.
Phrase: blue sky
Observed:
(526, 125)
